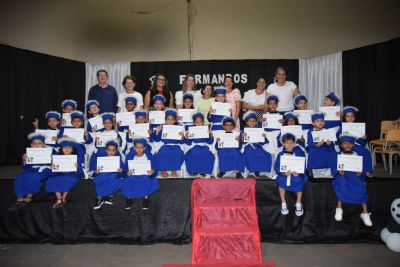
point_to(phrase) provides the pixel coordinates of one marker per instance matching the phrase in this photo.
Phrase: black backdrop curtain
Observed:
(32, 84)
(371, 82)
(245, 72)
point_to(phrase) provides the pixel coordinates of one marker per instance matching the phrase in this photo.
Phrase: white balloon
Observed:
(385, 234)
(393, 242)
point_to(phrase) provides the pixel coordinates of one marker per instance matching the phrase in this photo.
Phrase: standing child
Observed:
(229, 159)
(290, 181)
(106, 183)
(30, 181)
(349, 115)
(170, 157)
(139, 185)
(350, 186)
(256, 158)
(62, 182)
(322, 153)
(199, 148)
(331, 100)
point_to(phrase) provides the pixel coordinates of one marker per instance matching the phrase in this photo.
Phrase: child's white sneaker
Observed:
(284, 209)
(366, 218)
(299, 209)
(339, 214)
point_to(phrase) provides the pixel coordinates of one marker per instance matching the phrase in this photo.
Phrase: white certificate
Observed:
(139, 167)
(222, 109)
(96, 122)
(296, 130)
(304, 116)
(197, 132)
(217, 133)
(172, 132)
(254, 135)
(139, 130)
(351, 163)
(356, 129)
(292, 163)
(49, 134)
(228, 140)
(272, 121)
(38, 155)
(67, 119)
(157, 117)
(64, 163)
(108, 164)
(324, 135)
(330, 113)
(186, 114)
(75, 133)
(125, 118)
(104, 137)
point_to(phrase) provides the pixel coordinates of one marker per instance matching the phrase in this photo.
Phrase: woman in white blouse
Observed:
(129, 84)
(255, 99)
(188, 86)
(283, 89)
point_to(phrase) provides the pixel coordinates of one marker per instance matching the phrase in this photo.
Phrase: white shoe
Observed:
(365, 217)
(339, 214)
(299, 209)
(284, 209)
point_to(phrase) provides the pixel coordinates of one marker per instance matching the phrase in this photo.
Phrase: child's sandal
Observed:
(58, 204)
(28, 199)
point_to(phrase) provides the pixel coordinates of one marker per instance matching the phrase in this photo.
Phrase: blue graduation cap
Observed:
(317, 116)
(170, 112)
(289, 115)
(77, 114)
(249, 115)
(220, 91)
(142, 141)
(347, 138)
(187, 95)
(69, 102)
(131, 99)
(140, 113)
(107, 116)
(272, 97)
(67, 141)
(349, 109)
(159, 98)
(332, 96)
(197, 115)
(228, 119)
(36, 136)
(112, 143)
(297, 98)
(91, 103)
(53, 114)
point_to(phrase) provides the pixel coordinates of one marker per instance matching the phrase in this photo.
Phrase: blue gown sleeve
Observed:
(278, 163)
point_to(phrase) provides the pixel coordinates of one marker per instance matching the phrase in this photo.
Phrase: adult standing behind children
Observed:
(104, 93)
(129, 84)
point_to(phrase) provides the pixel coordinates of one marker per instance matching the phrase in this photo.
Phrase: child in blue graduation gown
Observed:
(93, 110)
(350, 186)
(139, 186)
(68, 106)
(256, 158)
(290, 181)
(199, 159)
(187, 104)
(272, 104)
(170, 156)
(301, 103)
(77, 120)
(330, 100)
(158, 105)
(62, 182)
(291, 119)
(216, 120)
(53, 123)
(106, 183)
(229, 159)
(140, 117)
(30, 181)
(130, 105)
(320, 154)
(349, 115)
(108, 123)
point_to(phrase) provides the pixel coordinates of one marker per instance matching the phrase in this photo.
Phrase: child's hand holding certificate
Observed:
(64, 163)
(38, 155)
(197, 132)
(222, 109)
(108, 164)
(254, 135)
(228, 140)
(324, 135)
(75, 133)
(185, 115)
(103, 137)
(172, 132)
(272, 121)
(139, 130)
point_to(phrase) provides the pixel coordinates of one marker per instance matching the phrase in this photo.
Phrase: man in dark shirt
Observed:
(104, 93)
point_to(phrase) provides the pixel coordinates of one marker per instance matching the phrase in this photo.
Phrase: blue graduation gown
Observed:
(332, 124)
(81, 149)
(199, 159)
(319, 157)
(138, 186)
(216, 121)
(297, 183)
(64, 181)
(106, 183)
(256, 158)
(170, 157)
(31, 179)
(230, 159)
(349, 188)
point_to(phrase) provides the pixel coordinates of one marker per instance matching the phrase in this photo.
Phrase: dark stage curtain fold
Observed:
(32, 84)
(371, 83)
(169, 216)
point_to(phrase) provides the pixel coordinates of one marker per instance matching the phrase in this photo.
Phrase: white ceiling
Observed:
(105, 30)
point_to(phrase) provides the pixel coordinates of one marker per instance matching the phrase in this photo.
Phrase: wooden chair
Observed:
(385, 127)
(391, 147)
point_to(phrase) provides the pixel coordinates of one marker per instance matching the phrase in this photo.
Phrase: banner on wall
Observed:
(244, 72)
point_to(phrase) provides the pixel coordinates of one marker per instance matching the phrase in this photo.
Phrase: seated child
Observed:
(93, 109)
(67, 106)
(216, 120)
(301, 103)
(143, 185)
(130, 105)
(290, 181)
(350, 186)
(330, 100)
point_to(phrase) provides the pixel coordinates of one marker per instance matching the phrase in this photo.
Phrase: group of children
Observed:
(196, 157)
